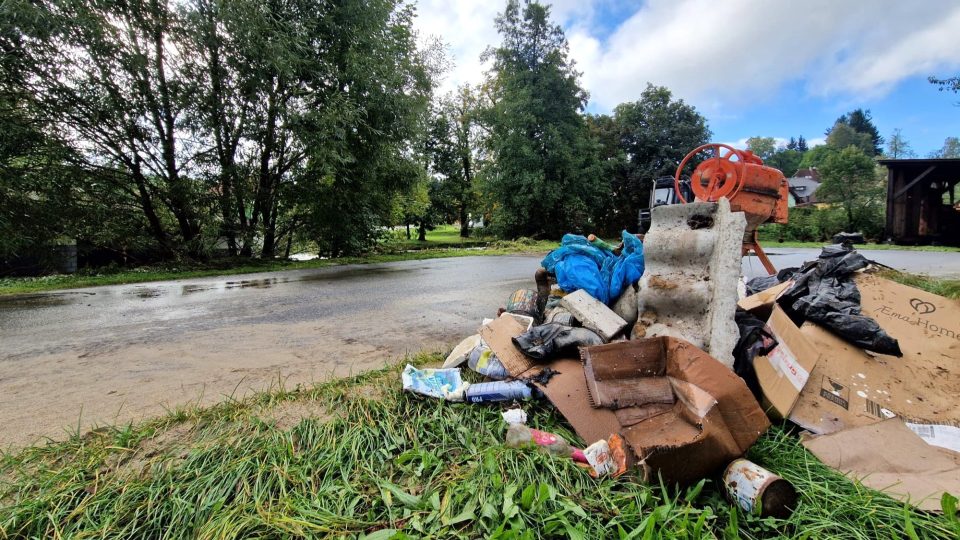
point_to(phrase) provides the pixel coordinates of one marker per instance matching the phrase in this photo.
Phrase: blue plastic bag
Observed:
(579, 265)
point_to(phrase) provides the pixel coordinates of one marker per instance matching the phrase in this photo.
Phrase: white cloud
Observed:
(718, 53)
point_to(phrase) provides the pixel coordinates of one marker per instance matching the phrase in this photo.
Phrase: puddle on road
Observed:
(255, 283)
(350, 273)
(148, 292)
(21, 301)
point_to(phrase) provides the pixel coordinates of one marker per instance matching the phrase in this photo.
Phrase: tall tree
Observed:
(950, 149)
(861, 122)
(898, 147)
(544, 174)
(452, 145)
(652, 134)
(850, 179)
(108, 74)
(802, 144)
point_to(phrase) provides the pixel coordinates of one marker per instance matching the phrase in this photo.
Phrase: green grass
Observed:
(773, 243)
(390, 465)
(949, 288)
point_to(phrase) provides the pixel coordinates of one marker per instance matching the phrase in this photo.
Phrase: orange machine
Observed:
(758, 191)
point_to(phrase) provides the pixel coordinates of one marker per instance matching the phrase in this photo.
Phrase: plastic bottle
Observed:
(519, 435)
(483, 361)
(598, 243)
(497, 391)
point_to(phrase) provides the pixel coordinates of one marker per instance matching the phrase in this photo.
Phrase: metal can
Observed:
(757, 490)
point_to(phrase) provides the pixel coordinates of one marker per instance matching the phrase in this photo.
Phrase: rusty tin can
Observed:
(756, 489)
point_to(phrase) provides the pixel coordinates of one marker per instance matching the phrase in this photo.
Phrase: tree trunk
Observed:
(408, 230)
(464, 222)
(422, 234)
(286, 254)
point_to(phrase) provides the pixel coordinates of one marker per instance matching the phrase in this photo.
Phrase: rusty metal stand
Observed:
(754, 246)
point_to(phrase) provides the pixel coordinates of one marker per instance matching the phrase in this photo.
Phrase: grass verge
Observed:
(386, 464)
(949, 288)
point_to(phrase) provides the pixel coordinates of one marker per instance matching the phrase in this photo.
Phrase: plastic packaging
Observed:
(498, 391)
(438, 383)
(514, 416)
(483, 361)
(607, 458)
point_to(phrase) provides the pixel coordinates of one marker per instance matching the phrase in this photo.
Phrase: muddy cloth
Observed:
(551, 340)
(824, 292)
(756, 339)
(577, 264)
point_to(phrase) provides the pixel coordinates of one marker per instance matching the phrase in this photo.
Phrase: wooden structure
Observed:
(923, 206)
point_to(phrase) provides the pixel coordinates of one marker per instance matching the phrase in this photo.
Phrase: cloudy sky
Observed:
(752, 67)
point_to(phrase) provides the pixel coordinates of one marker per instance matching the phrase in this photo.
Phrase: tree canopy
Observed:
(545, 180)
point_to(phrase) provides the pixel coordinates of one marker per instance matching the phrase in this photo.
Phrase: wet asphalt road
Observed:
(444, 296)
(124, 352)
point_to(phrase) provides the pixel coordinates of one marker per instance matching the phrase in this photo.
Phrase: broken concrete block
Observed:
(689, 289)
(594, 314)
(626, 305)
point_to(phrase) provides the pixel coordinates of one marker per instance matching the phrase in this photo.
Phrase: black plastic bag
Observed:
(549, 340)
(756, 339)
(825, 293)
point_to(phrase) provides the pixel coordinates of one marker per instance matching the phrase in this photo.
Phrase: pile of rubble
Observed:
(655, 352)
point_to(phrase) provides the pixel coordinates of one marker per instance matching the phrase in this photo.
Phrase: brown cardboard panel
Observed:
(889, 457)
(498, 335)
(786, 369)
(850, 387)
(567, 390)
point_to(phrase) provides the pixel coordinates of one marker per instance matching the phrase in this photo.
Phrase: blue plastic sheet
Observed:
(579, 265)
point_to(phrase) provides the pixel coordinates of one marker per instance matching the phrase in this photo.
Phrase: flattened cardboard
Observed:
(498, 335)
(889, 457)
(850, 387)
(567, 390)
(785, 370)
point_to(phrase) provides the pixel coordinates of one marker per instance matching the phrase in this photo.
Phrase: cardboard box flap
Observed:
(567, 390)
(889, 457)
(764, 299)
(785, 370)
(498, 335)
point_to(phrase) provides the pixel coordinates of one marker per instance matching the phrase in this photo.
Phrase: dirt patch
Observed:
(658, 282)
(287, 414)
(169, 446)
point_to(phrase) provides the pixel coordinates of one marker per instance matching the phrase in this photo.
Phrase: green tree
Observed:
(451, 145)
(762, 147)
(842, 136)
(851, 180)
(898, 147)
(652, 135)
(785, 159)
(861, 121)
(543, 176)
(950, 149)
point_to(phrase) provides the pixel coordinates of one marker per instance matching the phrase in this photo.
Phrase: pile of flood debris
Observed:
(671, 366)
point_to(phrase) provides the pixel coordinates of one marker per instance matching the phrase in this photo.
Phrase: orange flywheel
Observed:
(718, 175)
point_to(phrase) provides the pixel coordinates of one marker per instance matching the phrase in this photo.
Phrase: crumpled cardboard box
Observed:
(714, 419)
